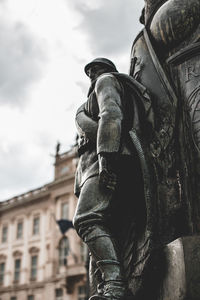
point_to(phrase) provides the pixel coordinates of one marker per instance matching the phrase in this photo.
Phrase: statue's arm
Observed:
(86, 126)
(108, 92)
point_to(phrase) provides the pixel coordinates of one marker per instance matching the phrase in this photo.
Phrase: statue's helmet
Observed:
(101, 61)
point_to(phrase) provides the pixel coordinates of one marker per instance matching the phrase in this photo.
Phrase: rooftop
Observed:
(44, 190)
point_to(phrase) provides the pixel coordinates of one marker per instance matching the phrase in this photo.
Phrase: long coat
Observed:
(103, 123)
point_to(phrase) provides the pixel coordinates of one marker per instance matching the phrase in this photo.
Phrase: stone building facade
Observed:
(38, 262)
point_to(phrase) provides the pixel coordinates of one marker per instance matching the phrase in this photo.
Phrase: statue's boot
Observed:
(105, 254)
(113, 290)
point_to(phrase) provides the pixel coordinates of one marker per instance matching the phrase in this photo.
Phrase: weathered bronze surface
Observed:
(109, 181)
(166, 55)
(139, 145)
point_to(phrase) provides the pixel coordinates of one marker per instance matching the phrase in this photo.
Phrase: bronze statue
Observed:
(139, 145)
(165, 59)
(109, 180)
(166, 63)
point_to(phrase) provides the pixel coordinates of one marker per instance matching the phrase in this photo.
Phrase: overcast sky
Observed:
(45, 45)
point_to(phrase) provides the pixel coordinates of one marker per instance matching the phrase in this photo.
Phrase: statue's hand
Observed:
(107, 178)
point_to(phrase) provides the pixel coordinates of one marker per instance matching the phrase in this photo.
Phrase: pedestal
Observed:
(182, 273)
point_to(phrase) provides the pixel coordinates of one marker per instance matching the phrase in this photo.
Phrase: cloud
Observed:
(83, 86)
(19, 170)
(111, 26)
(21, 60)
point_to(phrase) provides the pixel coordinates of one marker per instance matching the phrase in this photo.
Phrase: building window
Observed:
(4, 236)
(64, 211)
(19, 230)
(34, 262)
(82, 292)
(83, 252)
(36, 225)
(17, 270)
(30, 297)
(59, 294)
(2, 272)
(63, 251)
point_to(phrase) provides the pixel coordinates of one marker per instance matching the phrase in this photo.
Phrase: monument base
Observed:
(182, 274)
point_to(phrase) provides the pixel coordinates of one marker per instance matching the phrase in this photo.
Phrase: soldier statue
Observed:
(109, 180)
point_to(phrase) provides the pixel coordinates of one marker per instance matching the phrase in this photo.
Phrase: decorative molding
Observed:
(184, 54)
(20, 217)
(3, 257)
(37, 213)
(17, 253)
(62, 196)
(4, 223)
(34, 250)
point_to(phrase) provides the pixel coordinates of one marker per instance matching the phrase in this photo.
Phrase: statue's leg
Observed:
(95, 278)
(90, 221)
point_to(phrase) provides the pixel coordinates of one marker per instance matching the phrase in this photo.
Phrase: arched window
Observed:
(63, 251)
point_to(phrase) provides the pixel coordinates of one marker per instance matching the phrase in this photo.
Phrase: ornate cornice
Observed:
(34, 250)
(17, 253)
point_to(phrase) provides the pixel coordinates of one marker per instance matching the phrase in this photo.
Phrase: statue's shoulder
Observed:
(116, 78)
(107, 80)
(106, 77)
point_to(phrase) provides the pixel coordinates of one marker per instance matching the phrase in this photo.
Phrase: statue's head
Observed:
(151, 6)
(99, 66)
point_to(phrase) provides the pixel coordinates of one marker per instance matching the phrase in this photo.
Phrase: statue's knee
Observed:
(81, 226)
(89, 228)
(85, 230)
